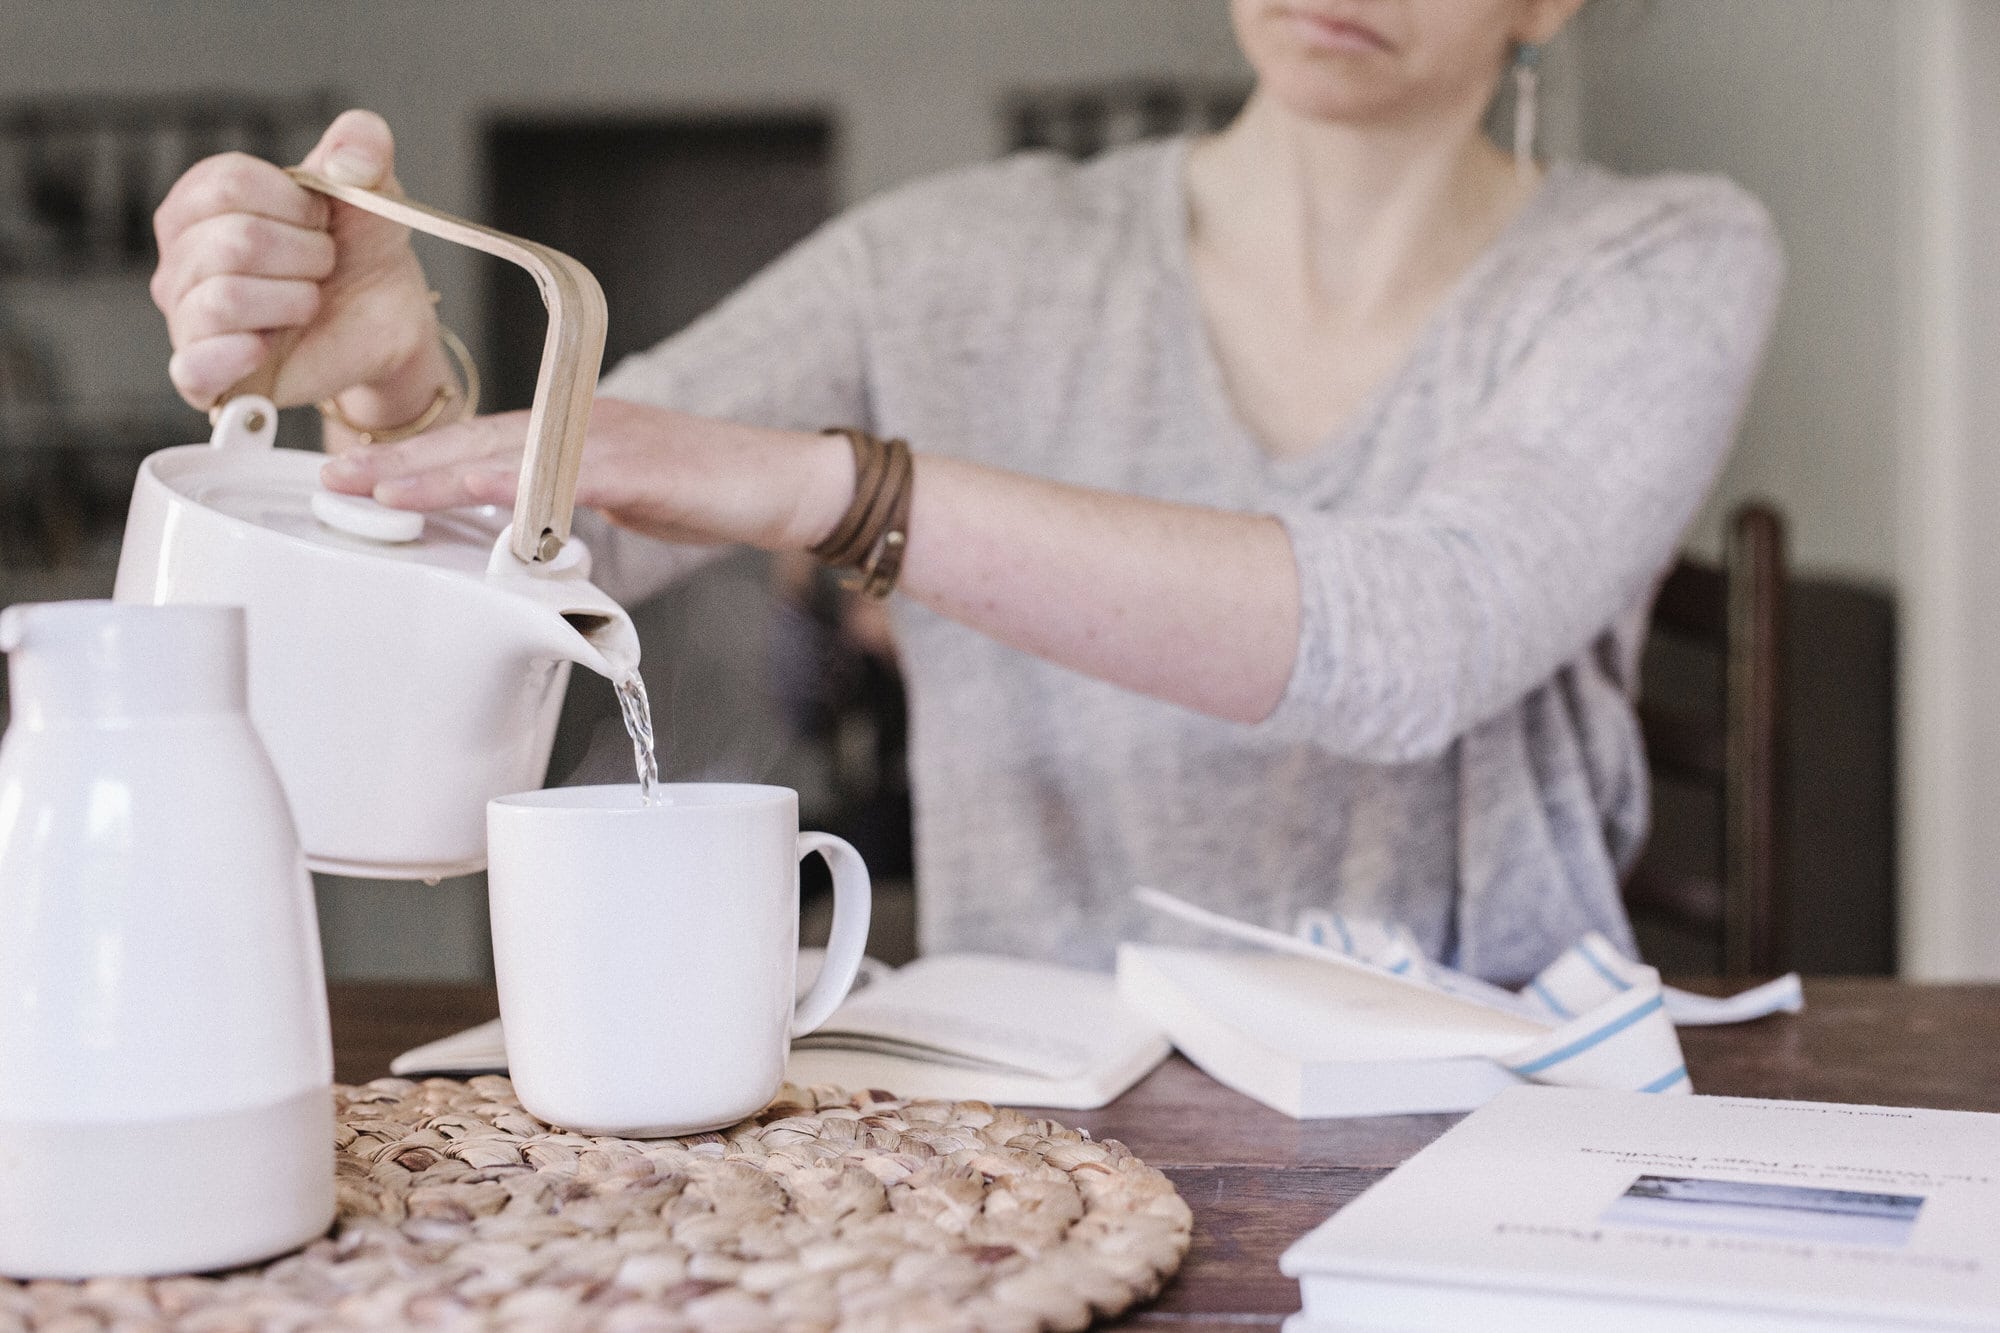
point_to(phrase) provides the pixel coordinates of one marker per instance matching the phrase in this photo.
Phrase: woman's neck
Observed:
(1361, 217)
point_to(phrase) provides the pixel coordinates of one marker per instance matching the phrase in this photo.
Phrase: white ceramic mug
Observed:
(646, 954)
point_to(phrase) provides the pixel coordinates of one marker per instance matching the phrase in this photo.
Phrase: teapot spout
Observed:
(572, 621)
(609, 644)
(566, 618)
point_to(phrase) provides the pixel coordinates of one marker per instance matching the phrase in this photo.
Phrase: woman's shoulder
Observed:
(1592, 211)
(1593, 237)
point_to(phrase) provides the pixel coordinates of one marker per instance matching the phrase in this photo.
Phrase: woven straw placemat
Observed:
(459, 1210)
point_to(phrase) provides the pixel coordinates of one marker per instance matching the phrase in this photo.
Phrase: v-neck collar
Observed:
(1176, 240)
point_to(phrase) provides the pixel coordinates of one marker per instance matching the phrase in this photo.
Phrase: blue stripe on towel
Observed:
(1616, 981)
(1582, 1044)
(1548, 998)
(1667, 1080)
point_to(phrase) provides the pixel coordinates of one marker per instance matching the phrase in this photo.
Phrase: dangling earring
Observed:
(1527, 86)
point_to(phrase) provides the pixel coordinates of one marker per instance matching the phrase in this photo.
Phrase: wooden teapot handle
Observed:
(571, 357)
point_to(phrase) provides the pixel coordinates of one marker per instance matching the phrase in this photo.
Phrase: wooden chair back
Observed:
(1731, 747)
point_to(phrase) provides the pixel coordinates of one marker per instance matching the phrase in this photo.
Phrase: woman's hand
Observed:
(248, 259)
(665, 474)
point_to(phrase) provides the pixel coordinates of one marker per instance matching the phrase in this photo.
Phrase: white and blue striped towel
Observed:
(1609, 1021)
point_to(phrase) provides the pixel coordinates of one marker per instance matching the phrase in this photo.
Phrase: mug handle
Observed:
(849, 937)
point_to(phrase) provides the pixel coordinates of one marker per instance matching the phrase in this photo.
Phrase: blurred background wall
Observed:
(1869, 128)
(1806, 103)
(1863, 124)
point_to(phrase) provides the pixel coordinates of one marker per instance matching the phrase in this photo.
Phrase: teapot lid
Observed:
(240, 474)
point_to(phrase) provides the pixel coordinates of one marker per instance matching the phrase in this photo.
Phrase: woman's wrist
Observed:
(402, 395)
(826, 488)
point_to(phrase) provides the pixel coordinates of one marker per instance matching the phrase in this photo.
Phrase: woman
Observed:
(1286, 505)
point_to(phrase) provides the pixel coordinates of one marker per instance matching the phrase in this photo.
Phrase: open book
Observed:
(957, 1026)
(1573, 1208)
(986, 1028)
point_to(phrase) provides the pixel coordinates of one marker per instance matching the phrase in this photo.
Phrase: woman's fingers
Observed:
(233, 303)
(356, 149)
(202, 371)
(234, 183)
(451, 487)
(239, 243)
(431, 470)
(500, 434)
(218, 330)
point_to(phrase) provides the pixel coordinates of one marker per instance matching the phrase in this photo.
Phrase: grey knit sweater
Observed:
(1457, 748)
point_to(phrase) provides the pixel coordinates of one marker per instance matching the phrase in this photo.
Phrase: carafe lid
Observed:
(121, 661)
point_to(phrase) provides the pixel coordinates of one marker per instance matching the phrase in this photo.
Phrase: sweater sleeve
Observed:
(786, 350)
(1554, 516)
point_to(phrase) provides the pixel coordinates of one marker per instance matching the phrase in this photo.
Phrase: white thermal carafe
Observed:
(166, 1072)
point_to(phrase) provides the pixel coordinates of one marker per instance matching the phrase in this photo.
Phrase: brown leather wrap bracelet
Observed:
(871, 536)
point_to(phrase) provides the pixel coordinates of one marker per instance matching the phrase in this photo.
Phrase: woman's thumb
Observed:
(357, 149)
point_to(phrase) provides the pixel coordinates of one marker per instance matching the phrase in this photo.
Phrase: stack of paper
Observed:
(1567, 1208)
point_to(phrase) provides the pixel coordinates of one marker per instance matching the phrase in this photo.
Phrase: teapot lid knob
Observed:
(359, 516)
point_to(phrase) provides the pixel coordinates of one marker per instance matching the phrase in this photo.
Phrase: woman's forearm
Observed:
(1196, 606)
(1193, 605)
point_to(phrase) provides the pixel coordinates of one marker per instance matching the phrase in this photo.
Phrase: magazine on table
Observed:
(1559, 1208)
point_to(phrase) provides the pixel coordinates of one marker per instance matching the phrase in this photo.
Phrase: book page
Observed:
(1011, 1014)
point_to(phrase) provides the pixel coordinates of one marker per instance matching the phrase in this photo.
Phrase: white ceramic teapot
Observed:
(404, 669)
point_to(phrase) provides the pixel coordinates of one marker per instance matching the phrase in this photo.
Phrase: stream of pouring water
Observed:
(638, 714)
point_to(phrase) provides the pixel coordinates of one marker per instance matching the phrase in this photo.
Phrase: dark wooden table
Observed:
(1256, 1179)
